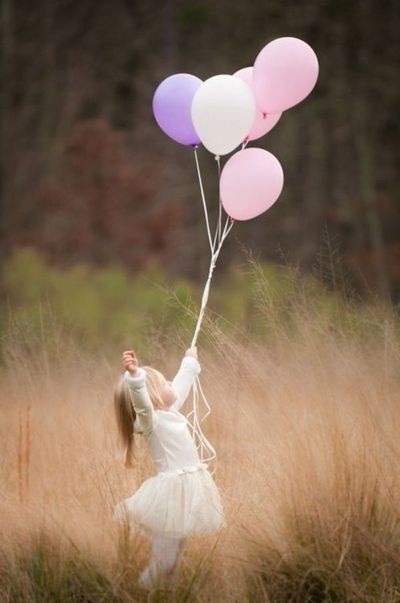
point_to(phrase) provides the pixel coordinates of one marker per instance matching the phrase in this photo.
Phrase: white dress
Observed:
(182, 498)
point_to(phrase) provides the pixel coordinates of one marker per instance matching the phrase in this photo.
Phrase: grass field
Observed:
(306, 428)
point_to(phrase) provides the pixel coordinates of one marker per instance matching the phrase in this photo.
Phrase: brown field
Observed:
(307, 434)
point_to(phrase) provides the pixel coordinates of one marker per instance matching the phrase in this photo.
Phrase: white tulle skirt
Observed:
(177, 503)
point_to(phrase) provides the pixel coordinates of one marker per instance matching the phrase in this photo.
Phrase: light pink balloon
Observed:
(251, 181)
(284, 73)
(263, 122)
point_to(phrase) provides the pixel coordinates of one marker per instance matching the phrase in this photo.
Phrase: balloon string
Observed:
(213, 261)
(203, 198)
(203, 445)
(213, 245)
(218, 229)
(202, 442)
(225, 232)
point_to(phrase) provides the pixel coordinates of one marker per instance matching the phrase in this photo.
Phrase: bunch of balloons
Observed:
(226, 111)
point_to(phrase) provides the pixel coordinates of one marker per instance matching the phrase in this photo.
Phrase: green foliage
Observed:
(109, 306)
(94, 306)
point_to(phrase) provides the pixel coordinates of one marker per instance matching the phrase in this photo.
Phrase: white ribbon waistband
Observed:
(187, 469)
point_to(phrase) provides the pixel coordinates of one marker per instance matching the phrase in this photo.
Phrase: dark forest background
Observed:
(87, 175)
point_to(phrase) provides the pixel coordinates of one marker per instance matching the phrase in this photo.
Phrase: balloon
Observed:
(263, 123)
(172, 103)
(285, 72)
(223, 110)
(251, 181)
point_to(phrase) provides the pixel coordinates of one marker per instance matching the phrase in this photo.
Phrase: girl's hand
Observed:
(130, 362)
(191, 352)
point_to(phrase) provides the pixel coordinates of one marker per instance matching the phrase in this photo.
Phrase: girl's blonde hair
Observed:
(125, 413)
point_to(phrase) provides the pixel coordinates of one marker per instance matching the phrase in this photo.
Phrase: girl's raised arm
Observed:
(183, 380)
(141, 401)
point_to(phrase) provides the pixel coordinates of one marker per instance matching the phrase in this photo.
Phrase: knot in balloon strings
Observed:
(212, 266)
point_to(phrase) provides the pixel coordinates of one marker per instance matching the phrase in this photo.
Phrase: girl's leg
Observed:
(165, 555)
(181, 544)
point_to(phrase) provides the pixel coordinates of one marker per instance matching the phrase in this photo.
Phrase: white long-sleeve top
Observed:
(166, 431)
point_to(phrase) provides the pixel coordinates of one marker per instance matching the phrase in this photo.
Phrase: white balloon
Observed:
(223, 111)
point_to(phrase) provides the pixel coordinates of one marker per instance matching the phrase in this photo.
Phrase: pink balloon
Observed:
(251, 181)
(285, 72)
(263, 122)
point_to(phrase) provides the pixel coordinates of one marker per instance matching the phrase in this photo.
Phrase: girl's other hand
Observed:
(130, 362)
(191, 352)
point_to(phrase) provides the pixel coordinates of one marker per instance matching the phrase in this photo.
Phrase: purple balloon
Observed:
(172, 102)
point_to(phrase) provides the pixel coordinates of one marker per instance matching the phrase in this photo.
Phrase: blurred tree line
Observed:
(87, 176)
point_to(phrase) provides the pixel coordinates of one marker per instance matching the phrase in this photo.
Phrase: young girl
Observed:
(182, 498)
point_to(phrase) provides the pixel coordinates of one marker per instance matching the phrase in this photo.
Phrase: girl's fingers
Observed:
(128, 361)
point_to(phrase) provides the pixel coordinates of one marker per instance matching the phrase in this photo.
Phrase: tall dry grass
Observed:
(306, 429)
